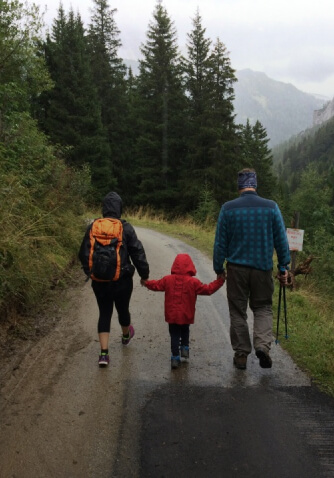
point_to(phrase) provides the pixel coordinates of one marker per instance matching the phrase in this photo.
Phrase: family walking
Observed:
(249, 229)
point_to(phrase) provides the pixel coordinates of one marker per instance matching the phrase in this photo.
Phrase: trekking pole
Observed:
(285, 314)
(279, 310)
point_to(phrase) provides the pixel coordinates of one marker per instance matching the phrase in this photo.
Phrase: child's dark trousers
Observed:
(179, 335)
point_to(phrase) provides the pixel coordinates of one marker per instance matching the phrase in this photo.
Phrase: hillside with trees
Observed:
(75, 123)
(306, 182)
(284, 110)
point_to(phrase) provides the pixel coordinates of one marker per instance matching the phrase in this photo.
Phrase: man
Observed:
(249, 228)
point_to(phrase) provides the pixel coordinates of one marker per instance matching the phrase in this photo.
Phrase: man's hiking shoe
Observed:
(185, 351)
(264, 357)
(126, 339)
(175, 361)
(103, 360)
(240, 361)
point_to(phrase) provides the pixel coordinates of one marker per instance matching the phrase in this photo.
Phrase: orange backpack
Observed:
(106, 237)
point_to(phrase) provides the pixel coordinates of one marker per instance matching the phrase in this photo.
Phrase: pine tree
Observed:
(256, 154)
(263, 162)
(223, 150)
(212, 143)
(198, 48)
(130, 171)
(109, 78)
(162, 126)
(197, 71)
(73, 118)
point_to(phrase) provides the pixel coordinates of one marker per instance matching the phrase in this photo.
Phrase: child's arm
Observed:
(211, 288)
(155, 285)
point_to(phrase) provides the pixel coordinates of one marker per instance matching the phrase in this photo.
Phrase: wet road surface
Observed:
(62, 416)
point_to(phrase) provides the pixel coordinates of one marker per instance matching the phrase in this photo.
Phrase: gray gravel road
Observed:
(62, 416)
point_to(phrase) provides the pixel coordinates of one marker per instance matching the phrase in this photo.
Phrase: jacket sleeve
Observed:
(220, 244)
(136, 251)
(208, 289)
(281, 243)
(84, 251)
(156, 285)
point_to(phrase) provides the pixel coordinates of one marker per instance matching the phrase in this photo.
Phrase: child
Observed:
(181, 290)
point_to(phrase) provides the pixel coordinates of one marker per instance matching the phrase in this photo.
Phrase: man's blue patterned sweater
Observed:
(249, 228)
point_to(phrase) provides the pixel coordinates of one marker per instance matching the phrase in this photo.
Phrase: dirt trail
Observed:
(62, 416)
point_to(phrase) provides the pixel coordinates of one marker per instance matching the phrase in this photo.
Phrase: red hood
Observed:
(183, 265)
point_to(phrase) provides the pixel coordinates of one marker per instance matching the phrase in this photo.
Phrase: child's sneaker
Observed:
(103, 360)
(175, 361)
(185, 351)
(126, 339)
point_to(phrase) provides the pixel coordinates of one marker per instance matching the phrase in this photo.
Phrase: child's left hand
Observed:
(143, 282)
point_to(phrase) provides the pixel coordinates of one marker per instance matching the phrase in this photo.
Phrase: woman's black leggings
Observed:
(109, 293)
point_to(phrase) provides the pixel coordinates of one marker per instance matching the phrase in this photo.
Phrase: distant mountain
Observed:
(324, 114)
(281, 108)
(314, 147)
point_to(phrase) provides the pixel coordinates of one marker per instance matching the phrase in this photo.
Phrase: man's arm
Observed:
(220, 244)
(281, 243)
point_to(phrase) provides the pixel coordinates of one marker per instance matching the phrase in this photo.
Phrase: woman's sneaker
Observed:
(175, 361)
(185, 351)
(103, 360)
(126, 339)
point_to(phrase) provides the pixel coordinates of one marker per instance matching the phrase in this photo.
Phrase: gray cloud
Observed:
(290, 41)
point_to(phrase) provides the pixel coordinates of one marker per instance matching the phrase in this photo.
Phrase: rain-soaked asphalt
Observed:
(62, 416)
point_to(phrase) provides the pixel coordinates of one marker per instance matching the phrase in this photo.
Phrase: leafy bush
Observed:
(323, 264)
(41, 200)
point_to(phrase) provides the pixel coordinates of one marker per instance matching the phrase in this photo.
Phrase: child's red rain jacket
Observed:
(181, 290)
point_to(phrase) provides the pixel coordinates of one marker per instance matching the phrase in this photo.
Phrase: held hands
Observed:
(143, 282)
(222, 276)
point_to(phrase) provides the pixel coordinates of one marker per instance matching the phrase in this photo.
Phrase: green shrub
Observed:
(41, 202)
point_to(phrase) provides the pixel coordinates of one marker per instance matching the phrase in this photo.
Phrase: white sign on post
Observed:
(295, 239)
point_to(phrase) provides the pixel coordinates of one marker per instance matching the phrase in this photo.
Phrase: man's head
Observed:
(247, 179)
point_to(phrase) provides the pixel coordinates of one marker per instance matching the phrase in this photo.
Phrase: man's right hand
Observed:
(283, 277)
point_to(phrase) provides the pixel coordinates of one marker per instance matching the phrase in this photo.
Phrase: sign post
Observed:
(295, 239)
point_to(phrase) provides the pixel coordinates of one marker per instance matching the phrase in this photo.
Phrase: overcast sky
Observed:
(289, 40)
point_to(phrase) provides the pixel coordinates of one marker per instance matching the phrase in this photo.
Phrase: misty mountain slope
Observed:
(313, 147)
(281, 108)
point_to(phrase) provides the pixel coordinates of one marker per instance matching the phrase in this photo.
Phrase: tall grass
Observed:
(310, 331)
(185, 228)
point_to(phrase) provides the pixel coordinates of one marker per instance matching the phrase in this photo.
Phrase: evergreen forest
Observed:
(76, 123)
(162, 138)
